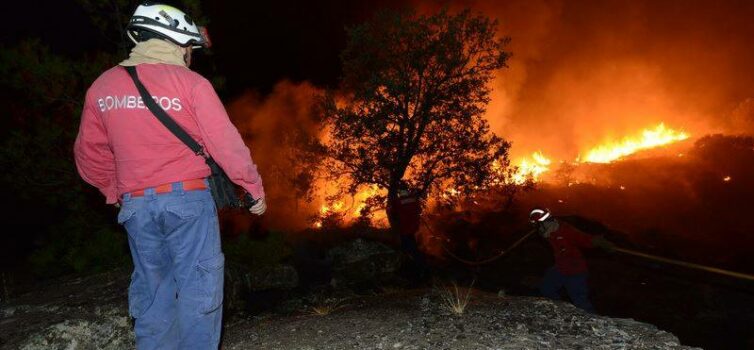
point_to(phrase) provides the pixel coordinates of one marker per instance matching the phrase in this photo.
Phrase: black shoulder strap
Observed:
(163, 116)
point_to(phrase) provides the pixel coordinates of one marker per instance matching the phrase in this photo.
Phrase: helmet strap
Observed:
(187, 55)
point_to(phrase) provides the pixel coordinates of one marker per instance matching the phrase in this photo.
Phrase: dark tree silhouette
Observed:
(62, 219)
(416, 90)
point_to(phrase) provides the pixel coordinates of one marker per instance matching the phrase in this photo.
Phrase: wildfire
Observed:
(534, 166)
(336, 207)
(350, 212)
(660, 135)
(450, 193)
(528, 168)
(531, 167)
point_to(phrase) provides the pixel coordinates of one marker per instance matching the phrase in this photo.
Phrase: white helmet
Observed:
(166, 22)
(539, 215)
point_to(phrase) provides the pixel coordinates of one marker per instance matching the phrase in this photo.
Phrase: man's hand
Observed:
(259, 207)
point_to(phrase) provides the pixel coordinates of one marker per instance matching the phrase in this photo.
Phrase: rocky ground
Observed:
(422, 319)
(90, 313)
(71, 313)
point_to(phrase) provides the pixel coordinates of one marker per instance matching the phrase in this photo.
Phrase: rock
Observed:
(241, 282)
(266, 278)
(273, 277)
(360, 261)
(70, 313)
(108, 333)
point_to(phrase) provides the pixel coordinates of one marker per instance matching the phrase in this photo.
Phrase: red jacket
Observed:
(122, 147)
(567, 243)
(407, 213)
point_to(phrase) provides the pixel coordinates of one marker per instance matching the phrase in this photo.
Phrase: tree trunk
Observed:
(392, 218)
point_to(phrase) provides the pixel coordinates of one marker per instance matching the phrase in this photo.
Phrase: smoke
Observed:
(274, 127)
(742, 117)
(583, 72)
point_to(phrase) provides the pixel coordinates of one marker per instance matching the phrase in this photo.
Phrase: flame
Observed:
(450, 193)
(531, 168)
(660, 135)
(349, 213)
(534, 166)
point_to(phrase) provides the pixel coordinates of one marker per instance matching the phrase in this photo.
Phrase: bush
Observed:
(78, 252)
(255, 254)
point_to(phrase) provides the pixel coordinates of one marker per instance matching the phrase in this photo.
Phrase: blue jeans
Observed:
(575, 285)
(410, 247)
(419, 267)
(176, 289)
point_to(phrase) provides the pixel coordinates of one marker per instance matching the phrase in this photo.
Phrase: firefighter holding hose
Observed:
(570, 270)
(406, 211)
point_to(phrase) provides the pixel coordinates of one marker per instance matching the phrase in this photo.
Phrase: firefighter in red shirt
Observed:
(406, 212)
(570, 270)
(166, 206)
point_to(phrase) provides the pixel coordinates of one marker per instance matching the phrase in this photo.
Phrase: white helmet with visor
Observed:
(155, 20)
(539, 215)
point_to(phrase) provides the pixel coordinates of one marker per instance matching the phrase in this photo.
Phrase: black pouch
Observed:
(223, 190)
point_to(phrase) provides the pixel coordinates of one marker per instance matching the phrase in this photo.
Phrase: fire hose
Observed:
(491, 259)
(480, 262)
(617, 249)
(685, 264)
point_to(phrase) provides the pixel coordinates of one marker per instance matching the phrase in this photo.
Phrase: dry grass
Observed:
(455, 299)
(326, 308)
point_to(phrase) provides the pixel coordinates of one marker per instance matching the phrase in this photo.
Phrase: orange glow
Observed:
(350, 212)
(450, 193)
(568, 88)
(535, 166)
(660, 135)
(727, 179)
(531, 168)
(347, 209)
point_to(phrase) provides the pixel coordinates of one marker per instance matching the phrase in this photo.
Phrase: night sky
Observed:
(259, 44)
(256, 43)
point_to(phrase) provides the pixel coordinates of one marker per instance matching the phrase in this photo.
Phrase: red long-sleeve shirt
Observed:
(407, 211)
(566, 244)
(122, 147)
